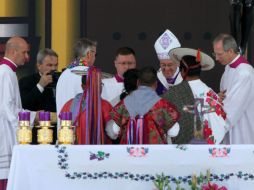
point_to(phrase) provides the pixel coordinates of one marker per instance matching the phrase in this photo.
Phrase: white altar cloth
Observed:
(124, 167)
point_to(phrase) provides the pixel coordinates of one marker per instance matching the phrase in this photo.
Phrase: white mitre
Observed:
(165, 43)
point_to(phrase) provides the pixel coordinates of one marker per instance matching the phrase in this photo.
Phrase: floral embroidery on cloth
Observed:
(206, 104)
(137, 152)
(216, 103)
(219, 152)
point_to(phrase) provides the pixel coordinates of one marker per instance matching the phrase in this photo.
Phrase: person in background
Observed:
(236, 90)
(168, 74)
(241, 19)
(35, 90)
(16, 53)
(69, 83)
(202, 116)
(38, 90)
(142, 116)
(125, 59)
(130, 82)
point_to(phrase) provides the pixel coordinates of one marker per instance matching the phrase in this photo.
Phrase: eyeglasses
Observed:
(126, 63)
(164, 66)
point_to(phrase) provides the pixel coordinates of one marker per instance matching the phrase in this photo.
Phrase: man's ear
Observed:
(231, 51)
(88, 55)
(38, 66)
(115, 63)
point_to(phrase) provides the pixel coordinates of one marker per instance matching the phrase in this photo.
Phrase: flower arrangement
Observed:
(203, 183)
(200, 182)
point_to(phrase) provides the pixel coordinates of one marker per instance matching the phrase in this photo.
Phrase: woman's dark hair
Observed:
(130, 82)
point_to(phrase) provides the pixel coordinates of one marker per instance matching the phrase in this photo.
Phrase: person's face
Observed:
(168, 67)
(49, 63)
(21, 53)
(91, 56)
(124, 62)
(223, 57)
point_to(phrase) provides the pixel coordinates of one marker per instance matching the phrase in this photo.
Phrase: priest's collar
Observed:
(10, 63)
(118, 78)
(232, 62)
(176, 72)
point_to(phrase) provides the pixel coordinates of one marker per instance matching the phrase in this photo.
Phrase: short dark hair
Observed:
(125, 51)
(82, 46)
(147, 76)
(189, 61)
(43, 53)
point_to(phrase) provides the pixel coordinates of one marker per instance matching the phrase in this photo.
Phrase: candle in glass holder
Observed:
(66, 134)
(45, 134)
(24, 133)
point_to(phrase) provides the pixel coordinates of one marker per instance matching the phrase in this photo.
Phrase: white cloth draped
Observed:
(111, 90)
(239, 103)
(68, 86)
(10, 106)
(228, 164)
(216, 122)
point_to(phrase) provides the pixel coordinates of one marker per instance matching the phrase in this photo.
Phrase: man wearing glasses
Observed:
(125, 59)
(168, 73)
(237, 90)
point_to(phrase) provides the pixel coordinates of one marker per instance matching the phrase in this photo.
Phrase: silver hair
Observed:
(82, 46)
(43, 53)
(228, 42)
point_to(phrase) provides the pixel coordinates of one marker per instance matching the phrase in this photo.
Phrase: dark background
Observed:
(138, 23)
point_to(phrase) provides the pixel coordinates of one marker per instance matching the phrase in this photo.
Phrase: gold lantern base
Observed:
(45, 135)
(24, 135)
(65, 136)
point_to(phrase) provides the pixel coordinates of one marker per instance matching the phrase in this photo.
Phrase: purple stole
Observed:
(161, 89)
(8, 63)
(240, 60)
(118, 78)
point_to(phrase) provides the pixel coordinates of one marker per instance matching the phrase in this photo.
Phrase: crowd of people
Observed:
(135, 106)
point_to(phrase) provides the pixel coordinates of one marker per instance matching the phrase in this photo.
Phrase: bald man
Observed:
(16, 53)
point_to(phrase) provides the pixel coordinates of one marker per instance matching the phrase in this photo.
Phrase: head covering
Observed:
(206, 61)
(165, 43)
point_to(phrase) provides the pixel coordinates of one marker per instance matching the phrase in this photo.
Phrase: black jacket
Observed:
(31, 97)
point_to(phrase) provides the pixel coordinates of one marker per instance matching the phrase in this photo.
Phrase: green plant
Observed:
(161, 182)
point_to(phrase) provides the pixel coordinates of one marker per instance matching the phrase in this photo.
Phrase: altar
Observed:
(109, 167)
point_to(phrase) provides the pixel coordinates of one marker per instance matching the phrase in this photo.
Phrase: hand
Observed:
(45, 79)
(222, 94)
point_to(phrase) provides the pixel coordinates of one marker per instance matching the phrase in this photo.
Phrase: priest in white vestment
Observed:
(16, 53)
(237, 89)
(112, 87)
(168, 74)
(69, 83)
